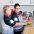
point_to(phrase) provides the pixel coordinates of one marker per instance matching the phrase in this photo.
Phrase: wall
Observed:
(21, 2)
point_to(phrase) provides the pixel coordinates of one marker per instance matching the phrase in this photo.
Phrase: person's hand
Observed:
(11, 21)
(19, 24)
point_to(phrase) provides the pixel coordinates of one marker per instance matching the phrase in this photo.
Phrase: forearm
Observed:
(7, 22)
(18, 24)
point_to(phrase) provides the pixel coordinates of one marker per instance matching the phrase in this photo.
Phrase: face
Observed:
(17, 9)
(8, 11)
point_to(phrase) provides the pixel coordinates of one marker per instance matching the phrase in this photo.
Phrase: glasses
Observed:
(17, 8)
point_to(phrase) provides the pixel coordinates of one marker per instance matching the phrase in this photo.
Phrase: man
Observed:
(16, 16)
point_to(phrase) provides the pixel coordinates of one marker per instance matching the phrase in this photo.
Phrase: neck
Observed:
(7, 15)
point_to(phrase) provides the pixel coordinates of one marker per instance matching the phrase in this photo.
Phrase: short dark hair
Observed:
(16, 5)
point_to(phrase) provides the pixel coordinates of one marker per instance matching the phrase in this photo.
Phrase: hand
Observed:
(19, 24)
(11, 21)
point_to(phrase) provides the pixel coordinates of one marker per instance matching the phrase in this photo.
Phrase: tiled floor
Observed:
(29, 30)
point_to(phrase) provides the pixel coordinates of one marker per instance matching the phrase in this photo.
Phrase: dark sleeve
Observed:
(15, 16)
(7, 21)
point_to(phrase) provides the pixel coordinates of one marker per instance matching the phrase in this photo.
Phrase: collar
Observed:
(7, 15)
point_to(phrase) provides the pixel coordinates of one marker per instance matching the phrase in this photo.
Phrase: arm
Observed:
(18, 24)
(7, 21)
(26, 22)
